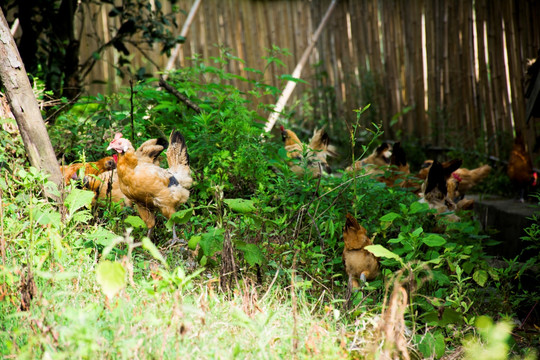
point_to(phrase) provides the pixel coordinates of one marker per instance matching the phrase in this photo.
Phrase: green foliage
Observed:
(492, 342)
(50, 46)
(111, 276)
(286, 232)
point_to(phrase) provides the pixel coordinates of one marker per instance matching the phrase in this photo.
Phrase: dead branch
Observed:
(163, 83)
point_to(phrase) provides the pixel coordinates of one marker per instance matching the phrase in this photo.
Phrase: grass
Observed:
(70, 317)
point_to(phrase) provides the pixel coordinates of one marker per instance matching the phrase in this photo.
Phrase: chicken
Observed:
(398, 173)
(399, 159)
(434, 189)
(359, 263)
(461, 181)
(376, 162)
(150, 150)
(151, 187)
(71, 172)
(106, 185)
(318, 150)
(520, 170)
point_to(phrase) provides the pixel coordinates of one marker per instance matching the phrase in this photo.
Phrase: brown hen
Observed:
(359, 263)
(148, 185)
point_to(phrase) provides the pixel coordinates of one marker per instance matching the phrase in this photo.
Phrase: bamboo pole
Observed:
(289, 88)
(183, 33)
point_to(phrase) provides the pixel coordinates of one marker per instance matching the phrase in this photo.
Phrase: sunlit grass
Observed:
(72, 318)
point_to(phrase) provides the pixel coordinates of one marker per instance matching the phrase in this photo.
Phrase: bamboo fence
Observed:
(445, 73)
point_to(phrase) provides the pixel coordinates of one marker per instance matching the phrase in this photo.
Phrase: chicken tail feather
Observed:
(351, 222)
(177, 154)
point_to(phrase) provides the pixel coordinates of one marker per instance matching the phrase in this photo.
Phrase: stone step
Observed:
(509, 218)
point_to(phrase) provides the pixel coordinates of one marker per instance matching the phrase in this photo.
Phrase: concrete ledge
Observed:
(509, 217)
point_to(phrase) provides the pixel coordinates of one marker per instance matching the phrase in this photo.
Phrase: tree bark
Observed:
(24, 106)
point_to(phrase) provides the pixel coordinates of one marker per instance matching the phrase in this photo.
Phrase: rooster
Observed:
(151, 187)
(376, 162)
(359, 263)
(71, 172)
(319, 149)
(520, 170)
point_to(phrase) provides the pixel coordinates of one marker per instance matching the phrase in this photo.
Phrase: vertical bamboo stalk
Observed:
(431, 53)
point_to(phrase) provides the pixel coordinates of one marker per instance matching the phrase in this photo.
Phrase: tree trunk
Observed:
(24, 106)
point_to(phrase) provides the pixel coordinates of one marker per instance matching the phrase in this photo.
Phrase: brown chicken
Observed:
(318, 150)
(520, 169)
(461, 181)
(376, 162)
(107, 185)
(151, 187)
(359, 263)
(71, 172)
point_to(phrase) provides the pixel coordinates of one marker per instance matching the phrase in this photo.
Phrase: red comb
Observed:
(115, 158)
(281, 128)
(535, 178)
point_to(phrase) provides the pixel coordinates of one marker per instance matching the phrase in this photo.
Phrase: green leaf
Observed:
(480, 276)
(242, 206)
(135, 221)
(179, 217)
(111, 276)
(291, 78)
(253, 70)
(44, 217)
(417, 232)
(153, 250)
(252, 253)
(417, 207)
(212, 241)
(449, 316)
(193, 242)
(77, 199)
(102, 236)
(81, 216)
(203, 260)
(391, 216)
(434, 240)
(431, 344)
(381, 251)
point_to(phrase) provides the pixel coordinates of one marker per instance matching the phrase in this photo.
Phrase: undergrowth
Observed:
(81, 281)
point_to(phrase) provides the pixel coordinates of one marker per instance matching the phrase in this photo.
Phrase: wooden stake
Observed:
(298, 71)
(183, 33)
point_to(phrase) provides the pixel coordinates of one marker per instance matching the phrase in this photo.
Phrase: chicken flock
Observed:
(134, 177)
